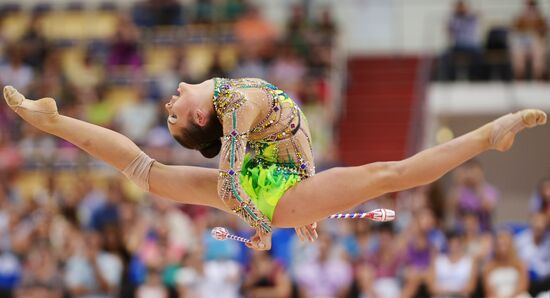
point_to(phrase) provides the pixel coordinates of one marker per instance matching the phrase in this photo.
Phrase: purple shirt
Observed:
(418, 257)
(324, 279)
(470, 201)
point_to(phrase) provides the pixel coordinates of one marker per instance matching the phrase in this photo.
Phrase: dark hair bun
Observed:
(212, 150)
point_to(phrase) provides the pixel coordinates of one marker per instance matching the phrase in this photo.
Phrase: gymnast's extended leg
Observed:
(185, 184)
(340, 189)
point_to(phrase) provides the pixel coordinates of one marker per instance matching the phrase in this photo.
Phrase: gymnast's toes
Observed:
(13, 97)
(533, 117)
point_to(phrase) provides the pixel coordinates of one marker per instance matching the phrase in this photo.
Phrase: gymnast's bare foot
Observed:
(504, 129)
(39, 113)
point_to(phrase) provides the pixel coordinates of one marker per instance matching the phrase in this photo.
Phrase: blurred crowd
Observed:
(514, 51)
(72, 227)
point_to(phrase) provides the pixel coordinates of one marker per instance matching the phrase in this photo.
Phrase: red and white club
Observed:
(220, 233)
(380, 215)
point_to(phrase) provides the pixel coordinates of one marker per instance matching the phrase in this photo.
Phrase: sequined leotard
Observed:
(257, 115)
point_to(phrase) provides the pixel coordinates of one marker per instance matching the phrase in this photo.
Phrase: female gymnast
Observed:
(274, 183)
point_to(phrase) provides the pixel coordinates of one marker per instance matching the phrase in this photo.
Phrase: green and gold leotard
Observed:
(257, 115)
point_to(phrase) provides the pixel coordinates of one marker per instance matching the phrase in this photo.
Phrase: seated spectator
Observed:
(124, 54)
(34, 44)
(10, 272)
(464, 51)
(190, 278)
(540, 202)
(166, 12)
(528, 41)
(87, 74)
(216, 69)
(108, 213)
(478, 244)
(378, 275)
(153, 287)
(505, 275)
(326, 28)
(266, 278)
(98, 110)
(298, 33)
(249, 65)
(472, 193)
(533, 246)
(41, 276)
(453, 274)
(256, 34)
(326, 275)
(287, 70)
(96, 273)
(137, 117)
(15, 72)
(421, 246)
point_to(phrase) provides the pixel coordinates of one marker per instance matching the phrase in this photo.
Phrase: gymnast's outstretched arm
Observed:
(191, 185)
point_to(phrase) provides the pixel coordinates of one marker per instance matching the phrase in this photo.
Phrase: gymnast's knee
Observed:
(387, 175)
(139, 169)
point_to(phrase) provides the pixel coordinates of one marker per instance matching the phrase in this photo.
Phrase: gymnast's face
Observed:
(193, 123)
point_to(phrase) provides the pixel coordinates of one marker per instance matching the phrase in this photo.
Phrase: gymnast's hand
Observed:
(307, 232)
(260, 241)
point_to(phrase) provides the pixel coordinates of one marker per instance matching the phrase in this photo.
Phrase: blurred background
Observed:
(377, 79)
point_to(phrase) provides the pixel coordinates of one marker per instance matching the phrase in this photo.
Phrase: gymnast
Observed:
(274, 183)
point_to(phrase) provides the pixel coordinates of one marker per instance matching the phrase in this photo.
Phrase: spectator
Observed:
(287, 71)
(10, 157)
(540, 202)
(137, 117)
(472, 193)
(96, 274)
(255, 34)
(10, 273)
(190, 278)
(87, 74)
(326, 28)
(478, 244)
(378, 275)
(465, 51)
(528, 41)
(453, 274)
(41, 277)
(266, 278)
(418, 254)
(152, 288)
(15, 72)
(35, 46)
(533, 246)
(326, 275)
(108, 214)
(124, 54)
(249, 65)
(298, 34)
(505, 275)
(99, 110)
(216, 69)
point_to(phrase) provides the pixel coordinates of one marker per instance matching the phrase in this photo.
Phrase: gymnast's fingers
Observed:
(300, 233)
(312, 230)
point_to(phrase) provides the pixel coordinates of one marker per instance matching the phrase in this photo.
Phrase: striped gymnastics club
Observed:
(380, 215)
(220, 233)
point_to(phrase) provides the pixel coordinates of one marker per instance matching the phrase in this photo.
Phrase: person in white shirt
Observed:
(533, 246)
(453, 274)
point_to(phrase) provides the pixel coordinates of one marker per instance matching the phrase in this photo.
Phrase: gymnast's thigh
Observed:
(186, 184)
(331, 191)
